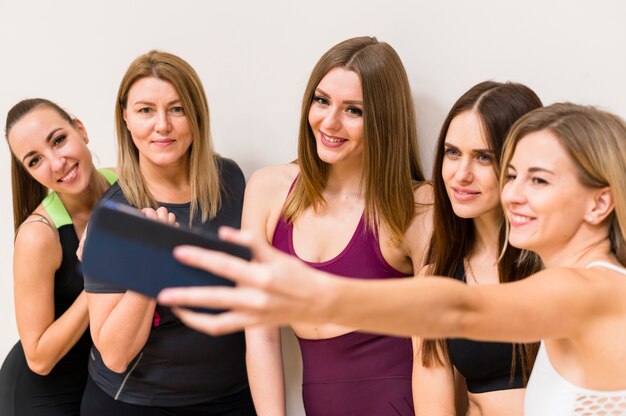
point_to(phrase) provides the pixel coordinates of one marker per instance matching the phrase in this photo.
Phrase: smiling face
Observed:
(543, 197)
(158, 124)
(468, 169)
(336, 117)
(53, 150)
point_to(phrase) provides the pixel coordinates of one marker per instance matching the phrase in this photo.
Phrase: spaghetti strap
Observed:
(606, 265)
(34, 217)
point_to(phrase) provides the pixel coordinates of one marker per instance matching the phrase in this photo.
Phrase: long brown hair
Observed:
(498, 106)
(27, 192)
(203, 171)
(390, 154)
(596, 143)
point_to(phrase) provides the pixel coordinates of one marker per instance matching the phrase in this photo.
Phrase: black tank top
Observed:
(179, 366)
(486, 366)
(23, 392)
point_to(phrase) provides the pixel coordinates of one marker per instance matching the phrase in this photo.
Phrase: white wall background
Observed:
(255, 58)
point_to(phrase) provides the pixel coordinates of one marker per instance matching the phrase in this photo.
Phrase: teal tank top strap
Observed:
(55, 208)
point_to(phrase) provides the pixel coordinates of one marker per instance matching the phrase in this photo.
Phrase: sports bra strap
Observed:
(606, 265)
(34, 217)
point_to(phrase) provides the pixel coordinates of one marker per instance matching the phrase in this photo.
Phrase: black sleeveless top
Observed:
(179, 366)
(23, 392)
(486, 366)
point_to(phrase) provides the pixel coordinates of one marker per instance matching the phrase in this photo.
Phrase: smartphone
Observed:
(131, 251)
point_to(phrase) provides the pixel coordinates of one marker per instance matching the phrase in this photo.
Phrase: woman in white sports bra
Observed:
(564, 194)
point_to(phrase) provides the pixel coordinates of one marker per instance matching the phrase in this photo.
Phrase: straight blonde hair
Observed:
(391, 162)
(203, 171)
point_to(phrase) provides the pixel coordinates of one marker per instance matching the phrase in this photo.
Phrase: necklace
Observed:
(468, 266)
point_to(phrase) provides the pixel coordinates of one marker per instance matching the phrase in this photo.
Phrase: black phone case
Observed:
(126, 249)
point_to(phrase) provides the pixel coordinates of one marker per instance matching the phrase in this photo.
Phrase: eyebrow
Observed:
(537, 169)
(359, 102)
(151, 103)
(48, 138)
(533, 169)
(446, 144)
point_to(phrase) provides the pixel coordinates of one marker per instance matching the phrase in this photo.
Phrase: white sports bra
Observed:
(549, 394)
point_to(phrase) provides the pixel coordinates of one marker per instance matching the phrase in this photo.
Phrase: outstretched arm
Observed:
(278, 289)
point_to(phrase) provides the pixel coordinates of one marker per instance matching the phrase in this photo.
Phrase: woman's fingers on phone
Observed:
(160, 214)
(221, 264)
(260, 248)
(150, 213)
(164, 215)
(207, 297)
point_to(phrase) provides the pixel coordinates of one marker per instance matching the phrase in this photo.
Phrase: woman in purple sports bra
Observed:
(352, 205)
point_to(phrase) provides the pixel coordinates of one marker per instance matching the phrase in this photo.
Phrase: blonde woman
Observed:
(144, 360)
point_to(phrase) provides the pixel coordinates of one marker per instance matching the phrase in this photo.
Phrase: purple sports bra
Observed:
(355, 373)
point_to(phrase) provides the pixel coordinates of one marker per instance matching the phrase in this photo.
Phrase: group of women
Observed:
(525, 214)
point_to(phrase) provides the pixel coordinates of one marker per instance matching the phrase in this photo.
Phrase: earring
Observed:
(589, 219)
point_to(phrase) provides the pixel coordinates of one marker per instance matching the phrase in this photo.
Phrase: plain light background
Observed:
(254, 59)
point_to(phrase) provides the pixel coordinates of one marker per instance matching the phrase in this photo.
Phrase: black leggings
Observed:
(23, 392)
(97, 403)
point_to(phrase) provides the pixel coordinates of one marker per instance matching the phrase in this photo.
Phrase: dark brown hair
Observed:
(498, 106)
(27, 192)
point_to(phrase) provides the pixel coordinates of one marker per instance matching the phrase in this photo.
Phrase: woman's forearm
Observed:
(124, 331)
(265, 370)
(429, 308)
(58, 338)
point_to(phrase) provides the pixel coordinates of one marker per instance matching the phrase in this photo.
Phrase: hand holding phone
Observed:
(126, 249)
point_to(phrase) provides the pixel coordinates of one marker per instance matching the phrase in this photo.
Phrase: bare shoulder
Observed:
(273, 180)
(424, 207)
(587, 290)
(424, 193)
(36, 239)
(590, 296)
(576, 277)
(266, 192)
(606, 286)
(417, 236)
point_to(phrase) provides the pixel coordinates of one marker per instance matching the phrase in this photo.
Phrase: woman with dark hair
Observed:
(563, 190)
(55, 187)
(352, 204)
(467, 235)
